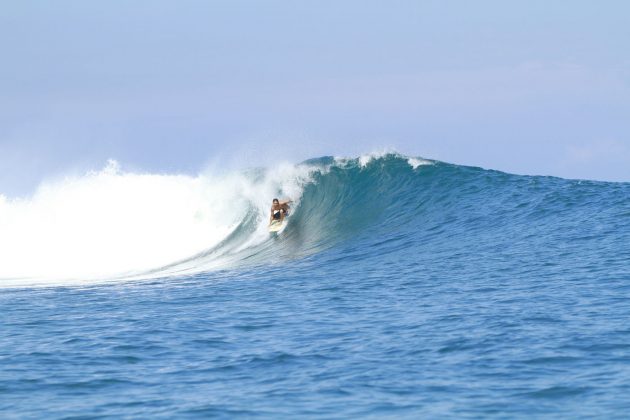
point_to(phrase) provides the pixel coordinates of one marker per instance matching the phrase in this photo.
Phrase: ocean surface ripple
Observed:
(400, 288)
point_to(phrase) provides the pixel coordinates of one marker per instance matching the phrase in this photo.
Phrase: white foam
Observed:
(365, 159)
(111, 222)
(415, 163)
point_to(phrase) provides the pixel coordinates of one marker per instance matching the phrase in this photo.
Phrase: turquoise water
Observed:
(395, 291)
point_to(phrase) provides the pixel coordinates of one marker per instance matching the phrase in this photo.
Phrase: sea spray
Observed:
(112, 222)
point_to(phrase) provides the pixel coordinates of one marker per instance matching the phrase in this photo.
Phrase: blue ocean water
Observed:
(397, 290)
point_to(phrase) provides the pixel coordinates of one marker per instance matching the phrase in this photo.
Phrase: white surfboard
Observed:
(276, 226)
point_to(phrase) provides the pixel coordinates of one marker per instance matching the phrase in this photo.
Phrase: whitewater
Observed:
(402, 287)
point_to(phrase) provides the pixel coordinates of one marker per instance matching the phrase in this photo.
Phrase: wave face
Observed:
(116, 225)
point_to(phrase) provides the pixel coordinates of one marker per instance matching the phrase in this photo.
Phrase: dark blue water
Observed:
(394, 292)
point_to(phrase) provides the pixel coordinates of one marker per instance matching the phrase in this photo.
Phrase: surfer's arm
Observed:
(284, 205)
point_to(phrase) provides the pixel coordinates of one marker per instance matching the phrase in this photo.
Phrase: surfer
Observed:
(279, 210)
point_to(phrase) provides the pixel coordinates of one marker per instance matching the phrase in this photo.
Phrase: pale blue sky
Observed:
(536, 87)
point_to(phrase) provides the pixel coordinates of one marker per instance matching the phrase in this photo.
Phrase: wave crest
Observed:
(112, 224)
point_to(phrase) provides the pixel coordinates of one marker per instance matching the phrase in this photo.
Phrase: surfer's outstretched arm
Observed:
(284, 205)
